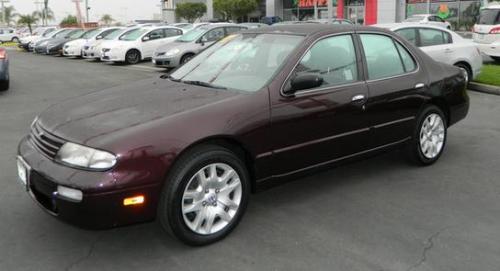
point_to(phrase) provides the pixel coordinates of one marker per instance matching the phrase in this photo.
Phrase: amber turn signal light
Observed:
(137, 200)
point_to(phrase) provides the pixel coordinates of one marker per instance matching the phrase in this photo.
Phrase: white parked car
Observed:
(429, 19)
(75, 47)
(8, 34)
(92, 48)
(442, 45)
(139, 44)
(487, 31)
(38, 34)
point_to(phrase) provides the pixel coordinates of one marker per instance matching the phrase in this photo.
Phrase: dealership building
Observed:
(461, 14)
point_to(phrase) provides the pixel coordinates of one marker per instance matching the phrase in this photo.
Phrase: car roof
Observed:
(311, 29)
(409, 24)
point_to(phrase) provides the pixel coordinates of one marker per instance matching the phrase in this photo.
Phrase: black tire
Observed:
(4, 85)
(170, 214)
(132, 57)
(186, 58)
(467, 69)
(15, 39)
(415, 151)
(496, 58)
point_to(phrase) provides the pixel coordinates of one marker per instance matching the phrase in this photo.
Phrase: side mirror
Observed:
(203, 40)
(304, 81)
(146, 38)
(99, 37)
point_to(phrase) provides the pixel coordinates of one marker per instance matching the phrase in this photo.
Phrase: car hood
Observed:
(183, 46)
(77, 42)
(116, 43)
(89, 119)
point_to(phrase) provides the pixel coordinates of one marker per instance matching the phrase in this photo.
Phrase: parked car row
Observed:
(167, 45)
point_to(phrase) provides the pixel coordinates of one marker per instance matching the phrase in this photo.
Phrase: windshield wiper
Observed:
(202, 84)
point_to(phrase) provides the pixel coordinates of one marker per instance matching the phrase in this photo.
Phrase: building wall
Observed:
(386, 11)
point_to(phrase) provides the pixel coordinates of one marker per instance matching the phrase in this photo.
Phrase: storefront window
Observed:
(303, 10)
(460, 14)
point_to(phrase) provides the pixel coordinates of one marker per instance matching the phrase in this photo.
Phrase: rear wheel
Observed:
(4, 85)
(132, 57)
(467, 71)
(429, 137)
(205, 195)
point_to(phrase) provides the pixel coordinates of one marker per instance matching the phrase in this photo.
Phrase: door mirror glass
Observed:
(304, 81)
(203, 39)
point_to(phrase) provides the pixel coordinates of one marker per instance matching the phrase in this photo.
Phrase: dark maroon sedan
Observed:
(254, 109)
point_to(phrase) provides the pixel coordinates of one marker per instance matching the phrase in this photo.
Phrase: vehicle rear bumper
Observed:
(98, 209)
(491, 49)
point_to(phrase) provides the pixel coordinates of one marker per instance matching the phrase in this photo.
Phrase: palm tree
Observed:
(28, 20)
(107, 19)
(10, 14)
(46, 15)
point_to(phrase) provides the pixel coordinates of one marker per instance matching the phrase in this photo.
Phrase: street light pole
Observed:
(87, 10)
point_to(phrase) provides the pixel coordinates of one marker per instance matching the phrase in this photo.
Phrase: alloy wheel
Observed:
(432, 135)
(211, 199)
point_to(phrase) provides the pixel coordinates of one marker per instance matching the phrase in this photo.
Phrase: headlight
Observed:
(173, 52)
(81, 156)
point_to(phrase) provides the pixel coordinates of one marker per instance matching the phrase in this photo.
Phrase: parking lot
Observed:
(377, 214)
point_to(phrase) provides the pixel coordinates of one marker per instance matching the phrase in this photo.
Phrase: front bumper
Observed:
(112, 56)
(91, 54)
(72, 52)
(171, 62)
(98, 209)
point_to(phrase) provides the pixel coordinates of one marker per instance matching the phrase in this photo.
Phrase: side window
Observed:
(11, 31)
(431, 37)
(214, 35)
(333, 59)
(382, 56)
(408, 61)
(156, 34)
(170, 32)
(410, 34)
(231, 30)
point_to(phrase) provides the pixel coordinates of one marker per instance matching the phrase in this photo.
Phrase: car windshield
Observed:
(133, 34)
(414, 18)
(48, 32)
(91, 33)
(489, 16)
(243, 62)
(192, 35)
(115, 34)
(75, 34)
(62, 33)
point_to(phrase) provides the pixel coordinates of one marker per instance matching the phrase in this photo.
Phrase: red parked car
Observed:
(254, 109)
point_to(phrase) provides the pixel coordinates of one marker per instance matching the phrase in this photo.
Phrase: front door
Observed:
(322, 124)
(154, 41)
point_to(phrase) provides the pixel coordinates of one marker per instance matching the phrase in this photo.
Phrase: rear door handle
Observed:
(419, 85)
(448, 50)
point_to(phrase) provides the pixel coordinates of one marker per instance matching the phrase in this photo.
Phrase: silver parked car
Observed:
(188, 45)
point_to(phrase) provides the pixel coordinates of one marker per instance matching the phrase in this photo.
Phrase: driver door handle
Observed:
(358, 98)
(419, 85)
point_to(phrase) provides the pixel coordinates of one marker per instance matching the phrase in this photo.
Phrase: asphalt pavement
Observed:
(378, 214)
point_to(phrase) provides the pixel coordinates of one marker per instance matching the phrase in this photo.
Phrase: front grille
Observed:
(86, 47)
(45, 142)
(105, 50)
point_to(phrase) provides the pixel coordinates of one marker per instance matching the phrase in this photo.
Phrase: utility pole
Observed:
(39, 7)
(3, 10)
(87, 10)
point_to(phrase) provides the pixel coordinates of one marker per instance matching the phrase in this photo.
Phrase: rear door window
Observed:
(410, 34)
(489, 16)
(383, 59)
(432, 37)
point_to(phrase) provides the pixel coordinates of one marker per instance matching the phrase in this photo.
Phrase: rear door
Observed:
(437, 44)
(395, 82)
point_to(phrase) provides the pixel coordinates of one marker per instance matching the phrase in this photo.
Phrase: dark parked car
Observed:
(55, 44)
(4, 70)
(254, 109)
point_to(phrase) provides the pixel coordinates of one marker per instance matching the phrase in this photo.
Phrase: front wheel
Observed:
(4, 85)
(185, 59)
(205, 195)
(429, 138)
(15, 39)
(132, 57)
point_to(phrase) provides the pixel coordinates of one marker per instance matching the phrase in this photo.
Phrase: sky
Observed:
(120, 10)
